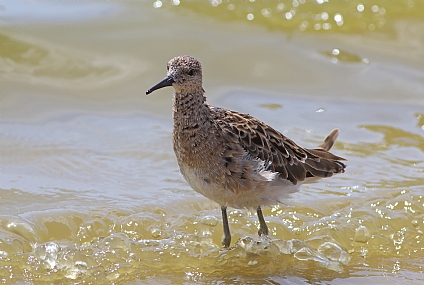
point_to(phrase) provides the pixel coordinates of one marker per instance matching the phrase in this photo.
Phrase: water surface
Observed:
(90, 191)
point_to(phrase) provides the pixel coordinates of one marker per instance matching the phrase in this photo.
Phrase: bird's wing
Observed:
(284, 156)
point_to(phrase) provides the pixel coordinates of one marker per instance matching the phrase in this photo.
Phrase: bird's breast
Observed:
(198, 147)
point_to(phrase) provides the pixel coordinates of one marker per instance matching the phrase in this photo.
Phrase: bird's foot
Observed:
(226, 241)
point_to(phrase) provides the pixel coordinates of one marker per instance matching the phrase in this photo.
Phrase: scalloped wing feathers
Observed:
(285, 157)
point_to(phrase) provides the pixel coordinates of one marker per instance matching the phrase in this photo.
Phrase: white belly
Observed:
(268, 193)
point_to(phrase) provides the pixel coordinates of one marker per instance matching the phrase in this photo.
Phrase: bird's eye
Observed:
(191, 72)
(167, 67)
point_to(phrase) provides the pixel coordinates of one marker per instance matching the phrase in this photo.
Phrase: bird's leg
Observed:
(227, 236)
(263, 228)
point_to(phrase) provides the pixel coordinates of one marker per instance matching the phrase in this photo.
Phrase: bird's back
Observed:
(281, 154)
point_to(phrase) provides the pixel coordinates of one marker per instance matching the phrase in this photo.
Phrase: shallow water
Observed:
(90, 192)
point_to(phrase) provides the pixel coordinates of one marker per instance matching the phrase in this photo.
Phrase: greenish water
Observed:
(90, 191)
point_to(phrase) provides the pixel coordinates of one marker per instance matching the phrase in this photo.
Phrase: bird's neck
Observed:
(194, 136)
(190, 109)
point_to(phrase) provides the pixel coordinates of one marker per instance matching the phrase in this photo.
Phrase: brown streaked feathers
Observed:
(291, 161)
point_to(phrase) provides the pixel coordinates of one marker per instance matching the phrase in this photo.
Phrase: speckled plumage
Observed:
(233, 158)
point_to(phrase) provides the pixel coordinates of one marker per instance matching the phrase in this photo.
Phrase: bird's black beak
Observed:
(167, 81)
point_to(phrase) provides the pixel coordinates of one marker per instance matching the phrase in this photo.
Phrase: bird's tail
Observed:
(323, 163)
(329, 141)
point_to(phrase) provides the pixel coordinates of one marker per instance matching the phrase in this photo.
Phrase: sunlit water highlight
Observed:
(90, 190)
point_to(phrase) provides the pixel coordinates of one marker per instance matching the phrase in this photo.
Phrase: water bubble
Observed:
(215, 3)
(306, 253)
(284, 246)
(326, 26)
(362, 234)
(303, 26)
(289, 16)
(209, 221)
(324, 16)
(296, 245)
(231, 7)
(78, 268)
(375, 8)
(280, 7)
(157, 4)
(334, 252)
(48, 253)
(266, 12)
(338, 18)
(156, 232)
(116, 241)
(263, 246)
(252, 262)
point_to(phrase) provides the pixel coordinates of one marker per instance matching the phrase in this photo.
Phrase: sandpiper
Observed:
(233, 158)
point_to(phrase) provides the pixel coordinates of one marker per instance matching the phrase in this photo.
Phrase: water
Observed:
(90, 191)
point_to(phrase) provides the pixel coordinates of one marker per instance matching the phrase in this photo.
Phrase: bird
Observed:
(233, 158)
